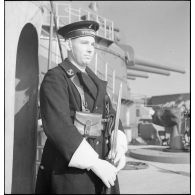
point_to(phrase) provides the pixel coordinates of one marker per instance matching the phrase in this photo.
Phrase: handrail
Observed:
(70, 14)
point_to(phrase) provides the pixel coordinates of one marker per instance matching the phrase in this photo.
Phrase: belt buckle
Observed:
(87, 127)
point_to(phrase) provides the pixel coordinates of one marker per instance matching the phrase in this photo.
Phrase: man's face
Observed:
(83, 50)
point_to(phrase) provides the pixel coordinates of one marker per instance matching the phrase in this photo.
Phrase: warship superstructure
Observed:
(31, 49)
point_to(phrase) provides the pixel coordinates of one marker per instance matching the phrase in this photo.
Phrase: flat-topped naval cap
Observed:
(79, 29)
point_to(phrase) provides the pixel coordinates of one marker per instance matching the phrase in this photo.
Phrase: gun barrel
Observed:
(150, 70)
(130, 73)
(151, 64)
(131, 78)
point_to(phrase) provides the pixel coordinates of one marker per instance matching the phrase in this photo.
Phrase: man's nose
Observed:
(90, 48)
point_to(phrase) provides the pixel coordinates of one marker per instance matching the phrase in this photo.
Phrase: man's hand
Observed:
(121, 148)
(85, 157)
(119, 159)
(105, 171)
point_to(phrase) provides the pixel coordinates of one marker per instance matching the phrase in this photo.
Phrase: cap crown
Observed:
(78, 29)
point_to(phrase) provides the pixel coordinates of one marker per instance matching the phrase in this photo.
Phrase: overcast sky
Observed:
(157, 31)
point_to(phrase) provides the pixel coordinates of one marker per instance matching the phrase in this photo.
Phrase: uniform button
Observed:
(96, 107)
(97, 142)
(41, 167)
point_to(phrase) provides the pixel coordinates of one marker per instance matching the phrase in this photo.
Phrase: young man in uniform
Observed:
(72, 160)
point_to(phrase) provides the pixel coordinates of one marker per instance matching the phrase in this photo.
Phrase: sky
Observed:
(158, 31)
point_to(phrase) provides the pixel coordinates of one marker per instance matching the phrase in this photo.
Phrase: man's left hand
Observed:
(121, 148)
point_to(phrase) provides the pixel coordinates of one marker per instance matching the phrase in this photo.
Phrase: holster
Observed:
(88, 124)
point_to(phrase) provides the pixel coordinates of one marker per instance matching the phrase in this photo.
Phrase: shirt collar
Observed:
(82, 69)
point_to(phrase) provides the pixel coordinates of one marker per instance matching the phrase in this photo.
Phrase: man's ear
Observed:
(68, 45)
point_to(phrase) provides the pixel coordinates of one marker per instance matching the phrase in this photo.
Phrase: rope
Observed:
(56, 28)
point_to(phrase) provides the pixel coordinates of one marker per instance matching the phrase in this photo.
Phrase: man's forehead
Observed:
(85, 38)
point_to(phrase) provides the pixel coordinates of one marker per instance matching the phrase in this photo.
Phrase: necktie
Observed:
(88, 84)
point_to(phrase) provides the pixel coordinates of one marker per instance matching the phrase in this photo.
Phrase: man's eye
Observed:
(87, 43)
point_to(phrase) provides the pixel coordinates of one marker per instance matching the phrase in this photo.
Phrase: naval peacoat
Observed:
(59, 100)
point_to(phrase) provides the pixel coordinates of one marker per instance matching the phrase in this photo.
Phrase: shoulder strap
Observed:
(76, 82)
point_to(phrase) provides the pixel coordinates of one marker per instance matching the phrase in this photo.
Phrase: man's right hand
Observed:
(85, 157)
(105, 171)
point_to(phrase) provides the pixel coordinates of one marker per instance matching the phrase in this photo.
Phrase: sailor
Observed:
(71, 99)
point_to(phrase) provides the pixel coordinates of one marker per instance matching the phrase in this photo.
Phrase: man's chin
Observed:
(86, 63)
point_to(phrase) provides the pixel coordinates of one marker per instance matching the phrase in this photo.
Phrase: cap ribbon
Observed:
(80, 33)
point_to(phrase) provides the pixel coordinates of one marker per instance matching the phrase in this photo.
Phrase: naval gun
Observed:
(173, 118)
(176, 121)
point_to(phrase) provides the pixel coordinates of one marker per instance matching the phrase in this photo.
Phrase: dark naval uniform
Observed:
(59, 100)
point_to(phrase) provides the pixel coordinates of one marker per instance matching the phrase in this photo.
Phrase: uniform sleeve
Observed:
(55, 113)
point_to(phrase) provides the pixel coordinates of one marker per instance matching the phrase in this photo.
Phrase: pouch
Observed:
(88, 124)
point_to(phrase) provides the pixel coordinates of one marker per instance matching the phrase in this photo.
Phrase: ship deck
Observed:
(157, 178)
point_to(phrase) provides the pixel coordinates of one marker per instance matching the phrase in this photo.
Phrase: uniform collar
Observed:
(69, 68)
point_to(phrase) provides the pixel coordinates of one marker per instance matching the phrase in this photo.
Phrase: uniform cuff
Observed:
(84, 157)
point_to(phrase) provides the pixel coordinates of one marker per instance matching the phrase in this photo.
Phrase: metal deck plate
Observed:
(133, 165)
(160, 155)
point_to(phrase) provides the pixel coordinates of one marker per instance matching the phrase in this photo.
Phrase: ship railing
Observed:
(66, 14)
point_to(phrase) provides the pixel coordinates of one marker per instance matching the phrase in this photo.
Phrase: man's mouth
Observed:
(88, 57)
